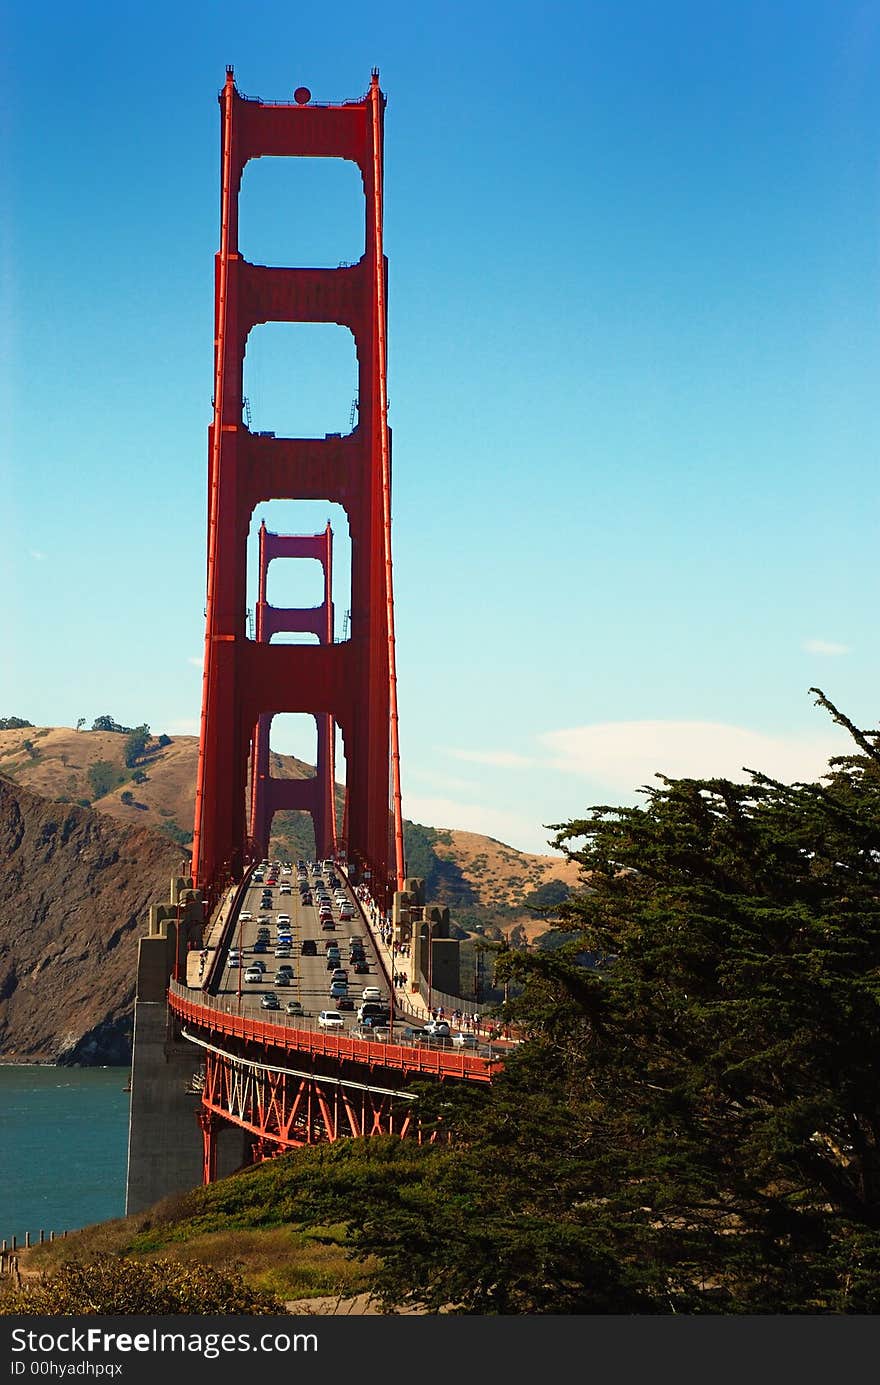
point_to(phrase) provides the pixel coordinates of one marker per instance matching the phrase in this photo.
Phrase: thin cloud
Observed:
(35, 553)
(626, 754)
(184, 726)
(510, 828)
(501, 759)
(437, 781)
(827, 648)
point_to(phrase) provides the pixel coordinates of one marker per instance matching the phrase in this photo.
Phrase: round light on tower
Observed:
(302, 96)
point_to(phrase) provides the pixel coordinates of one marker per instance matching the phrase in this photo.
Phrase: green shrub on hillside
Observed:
(104, 777)
(112, 1285)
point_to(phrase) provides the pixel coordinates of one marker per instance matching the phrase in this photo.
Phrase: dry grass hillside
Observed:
(64, 764)
(468, 871)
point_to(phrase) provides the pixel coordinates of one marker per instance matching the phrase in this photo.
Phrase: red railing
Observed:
(287, 1036)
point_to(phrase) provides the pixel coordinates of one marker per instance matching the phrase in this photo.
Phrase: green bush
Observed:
(104, 778)
(135, 745)
(177, 834)
(112, 1285)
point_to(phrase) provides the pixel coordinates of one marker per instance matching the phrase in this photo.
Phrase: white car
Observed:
(282, 919)
(246, 917)
(371, 993)
(438, 1029)
(253, 974)
(461, 1040)
(331, 1019)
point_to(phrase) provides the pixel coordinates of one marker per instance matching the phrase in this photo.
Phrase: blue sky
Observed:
(633, 365)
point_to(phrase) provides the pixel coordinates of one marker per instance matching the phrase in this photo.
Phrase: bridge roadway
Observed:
(310, 982)
(221, 1005)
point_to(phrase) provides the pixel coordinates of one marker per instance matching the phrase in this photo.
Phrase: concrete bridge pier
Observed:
(165, 1145)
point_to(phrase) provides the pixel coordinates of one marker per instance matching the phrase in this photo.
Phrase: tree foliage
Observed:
(113, 1285)
(14, 723)
(693, 1126)
(107, 723)
(135, 744)
(104, 777)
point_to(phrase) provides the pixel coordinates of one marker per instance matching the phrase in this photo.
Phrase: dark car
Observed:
(344, 1002)
(309, 947)
(360, 967)
(332, 961)
(260, 945)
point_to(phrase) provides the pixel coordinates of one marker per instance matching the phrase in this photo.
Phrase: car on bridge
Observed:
(270, 1001)
(371, 993)
(253, 974)
(331, 1019)
(294, 1007)
(344, 1002)
(309, 947)
(283, 978)
(246, 916)
(283, 918)
(438, 1029)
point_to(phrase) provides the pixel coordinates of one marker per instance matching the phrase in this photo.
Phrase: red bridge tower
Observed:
(353, 682)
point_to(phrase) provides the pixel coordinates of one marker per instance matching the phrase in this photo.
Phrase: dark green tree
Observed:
(107, 723)
(721, 1066)
(692, 1125)
(14, 723)
(104, 777)
(135, 745)
(139, 776)
(126, 797)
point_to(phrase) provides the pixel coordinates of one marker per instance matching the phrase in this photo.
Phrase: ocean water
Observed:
(63, 1148)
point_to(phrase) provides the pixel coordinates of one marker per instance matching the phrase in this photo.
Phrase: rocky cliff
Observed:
(75, 887)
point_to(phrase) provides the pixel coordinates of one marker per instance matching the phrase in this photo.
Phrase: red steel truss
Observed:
(285, 1109)
(315, 796)
(353, 682)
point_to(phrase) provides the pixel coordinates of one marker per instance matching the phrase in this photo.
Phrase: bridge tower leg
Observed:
(353, 682)
(270, 795)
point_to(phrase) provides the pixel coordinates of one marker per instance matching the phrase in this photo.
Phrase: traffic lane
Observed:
(311, 975)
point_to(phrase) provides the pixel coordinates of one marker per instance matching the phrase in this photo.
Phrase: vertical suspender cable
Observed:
(209, 671)
(379, 269)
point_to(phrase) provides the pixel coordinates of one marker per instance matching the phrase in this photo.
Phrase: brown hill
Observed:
(74, 893)
(66, 765)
